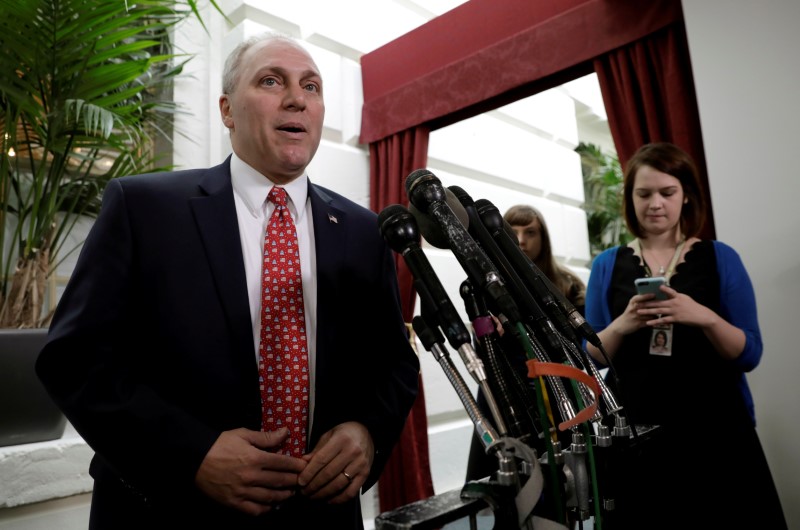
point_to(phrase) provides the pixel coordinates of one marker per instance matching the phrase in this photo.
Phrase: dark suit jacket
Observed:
(150, 353)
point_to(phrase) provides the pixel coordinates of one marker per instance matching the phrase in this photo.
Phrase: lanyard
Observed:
(637, 249)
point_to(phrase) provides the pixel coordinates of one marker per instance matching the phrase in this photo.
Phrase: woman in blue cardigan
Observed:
(704, 466)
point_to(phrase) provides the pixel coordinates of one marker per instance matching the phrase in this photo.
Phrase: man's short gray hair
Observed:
(230, 73)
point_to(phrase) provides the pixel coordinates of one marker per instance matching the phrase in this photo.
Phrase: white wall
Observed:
(746, 70)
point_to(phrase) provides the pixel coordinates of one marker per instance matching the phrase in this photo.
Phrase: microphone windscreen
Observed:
(493, 219)
(399, 228)
(462, 196)
(388, 213)
(414, 176)
(430, 229)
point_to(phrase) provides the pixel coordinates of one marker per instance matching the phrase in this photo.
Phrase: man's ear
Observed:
(225, 111)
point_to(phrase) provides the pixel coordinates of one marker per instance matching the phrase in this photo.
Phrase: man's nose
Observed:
(296, 97)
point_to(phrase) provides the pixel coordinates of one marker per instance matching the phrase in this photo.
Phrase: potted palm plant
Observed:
(84, 94)
(602, 184)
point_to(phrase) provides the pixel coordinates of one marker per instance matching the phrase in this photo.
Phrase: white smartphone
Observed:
(651, 285)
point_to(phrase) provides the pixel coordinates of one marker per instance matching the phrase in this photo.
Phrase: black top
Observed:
(702, 465)
(694, 379)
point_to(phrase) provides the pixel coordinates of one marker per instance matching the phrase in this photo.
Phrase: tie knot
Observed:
(277, 196)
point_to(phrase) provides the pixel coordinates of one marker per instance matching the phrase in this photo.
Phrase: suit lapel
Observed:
(330, 238)
(330, 233)
(215, 214)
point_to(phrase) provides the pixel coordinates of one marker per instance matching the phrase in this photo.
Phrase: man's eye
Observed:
(269, 81)
(311, 87)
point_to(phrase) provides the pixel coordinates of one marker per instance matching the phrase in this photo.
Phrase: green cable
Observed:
(551, 456)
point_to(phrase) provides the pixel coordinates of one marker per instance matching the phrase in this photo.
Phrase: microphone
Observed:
(551, 296)
(519, 291)
(515, 397)
(433, 342)
(426, 193)
(428, 227)
(506, 449)
(399, 228)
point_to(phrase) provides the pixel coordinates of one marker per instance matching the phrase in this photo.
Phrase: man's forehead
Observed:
(278, 52)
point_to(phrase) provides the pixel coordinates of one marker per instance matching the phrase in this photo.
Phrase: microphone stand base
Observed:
(432, 513)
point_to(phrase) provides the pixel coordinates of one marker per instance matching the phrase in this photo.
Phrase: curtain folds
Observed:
(648, 91)
(407, 475)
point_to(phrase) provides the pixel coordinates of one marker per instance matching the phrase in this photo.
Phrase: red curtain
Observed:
(649, 95)
(478, 55)
(407, 475)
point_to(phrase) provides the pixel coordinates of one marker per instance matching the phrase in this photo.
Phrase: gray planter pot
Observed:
(27, 414)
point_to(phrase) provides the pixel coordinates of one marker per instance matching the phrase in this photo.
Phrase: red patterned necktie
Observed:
(283, 362)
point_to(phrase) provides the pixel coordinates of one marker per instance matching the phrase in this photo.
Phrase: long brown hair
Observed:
(570, 285)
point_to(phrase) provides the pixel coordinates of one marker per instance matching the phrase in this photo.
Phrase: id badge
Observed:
(661, 340)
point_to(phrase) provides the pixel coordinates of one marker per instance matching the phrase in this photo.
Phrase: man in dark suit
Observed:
(153, 350)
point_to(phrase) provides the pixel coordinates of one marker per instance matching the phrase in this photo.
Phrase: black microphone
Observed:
(430, 230)
(520, 292)
(562, 310)
(399, 228)
(551, 296)
(506, 373)
(426, 193)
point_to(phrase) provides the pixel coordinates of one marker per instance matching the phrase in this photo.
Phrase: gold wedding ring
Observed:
(348, 476)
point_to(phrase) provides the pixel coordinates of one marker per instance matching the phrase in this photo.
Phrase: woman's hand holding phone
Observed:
(651, 285)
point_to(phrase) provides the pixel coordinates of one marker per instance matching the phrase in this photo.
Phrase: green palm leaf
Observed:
(602, 184)
(77, 108)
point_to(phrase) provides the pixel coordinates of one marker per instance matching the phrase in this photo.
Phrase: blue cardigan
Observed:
(737, 306)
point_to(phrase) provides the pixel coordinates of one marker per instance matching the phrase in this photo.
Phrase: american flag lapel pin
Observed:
(332, 218)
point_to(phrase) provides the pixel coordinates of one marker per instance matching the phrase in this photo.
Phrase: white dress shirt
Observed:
(250, 190)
